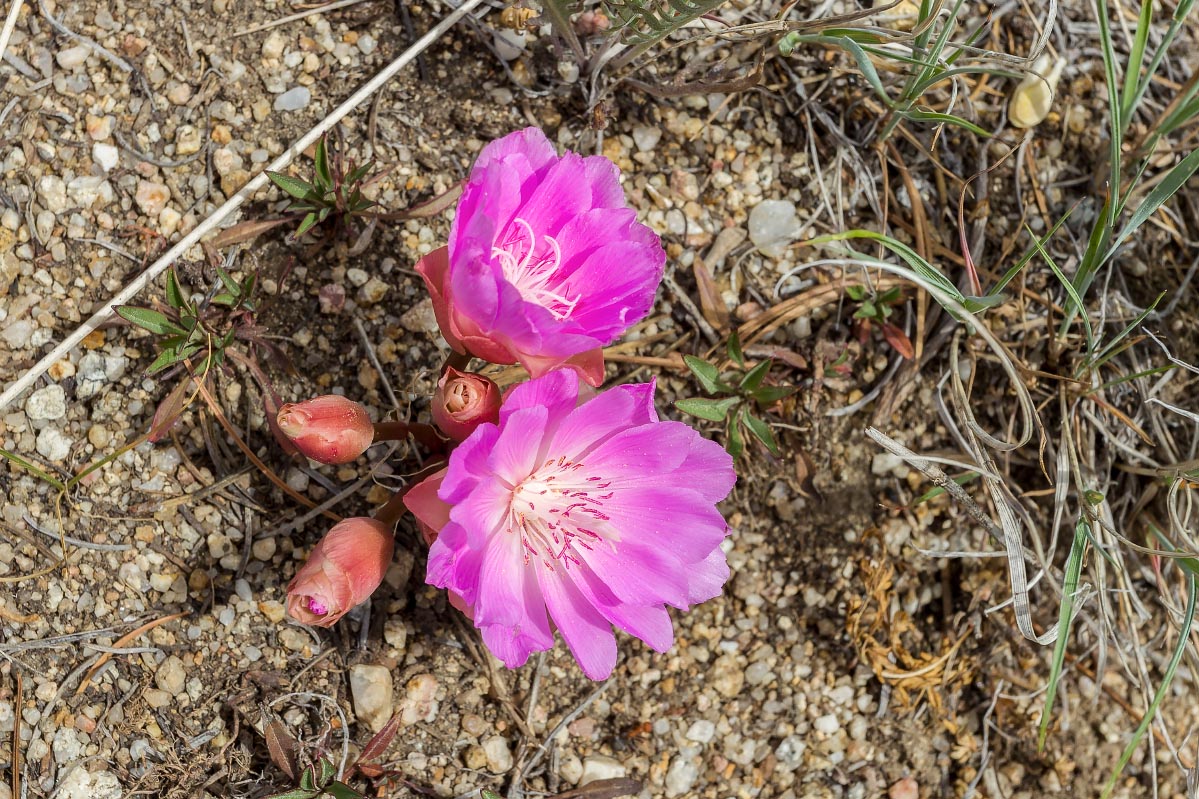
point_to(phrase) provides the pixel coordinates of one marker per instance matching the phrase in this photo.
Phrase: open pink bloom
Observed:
(330, 429)
(463, 401)
(599, 514)
(343, 570)
(546, 263)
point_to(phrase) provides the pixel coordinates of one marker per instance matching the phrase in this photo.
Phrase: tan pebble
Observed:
(221, 134)
(152, 197)
(232, 182)
(179, 94)
(93, 340)
(198, 580)
(60, 369)
(263, 549)
(475, 757)
(99, 128)
(907, 788)
(98, 435)
(273, 610)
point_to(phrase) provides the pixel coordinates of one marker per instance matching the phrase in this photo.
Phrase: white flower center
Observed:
(558, 511)
(532, 267)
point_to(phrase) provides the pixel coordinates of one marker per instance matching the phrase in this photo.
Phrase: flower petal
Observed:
(557, 392)
(649, 623)
(706, 579)
(585, 631)
(516, 453)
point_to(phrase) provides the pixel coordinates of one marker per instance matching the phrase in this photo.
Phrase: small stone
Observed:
(168, 221)
(646, 137)
(272, 46)
(66, 745)
(152, 197)
(86, 190)
(885, 464)
(374, 291)
(187, 140)
(499, 756)
(1032, 98)
(789, 752)
(98, 435)
(332, 298)
(171, 675)
(99, 128)
(372, 689)
(46, 403)
(53, 193)
(827, 724)
(263, 549)
(601, 767)
(420, 318)
(773, 225)
(273, 611)
(106, 156)
(701, 731)
(158, 698)
(179, 94)
(681, 775)
(79, 783)
(907, 788)
(293, 99)
(53, 445)
(44, 225)
(726, 676)
(420, 700)
(475, 757)
(571, 768)
(72, 57)
(357, 277)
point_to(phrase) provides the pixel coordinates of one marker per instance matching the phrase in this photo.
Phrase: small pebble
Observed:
(171, 675)
(372, 689)
(293, 99)
(72, 57)
(600, 767)
(499, 756)
(47, 403)
(773, 225)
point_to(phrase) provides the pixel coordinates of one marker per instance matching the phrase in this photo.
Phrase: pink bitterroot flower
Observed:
(342, 571)
(546, 263)
(588, 515)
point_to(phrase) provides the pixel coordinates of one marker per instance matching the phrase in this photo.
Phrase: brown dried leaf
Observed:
(244, 231)
(429, 208)
(603, 789)
(168, 412)
(805, 472)
(898, 340)
(282, 747)
(378, 744)
(780, 354)
(710, 302)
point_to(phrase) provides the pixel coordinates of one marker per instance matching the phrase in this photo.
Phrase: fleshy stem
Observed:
(391, 511)
(425, 434)
(456, 360)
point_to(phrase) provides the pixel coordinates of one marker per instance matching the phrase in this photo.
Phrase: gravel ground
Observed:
(841, 662)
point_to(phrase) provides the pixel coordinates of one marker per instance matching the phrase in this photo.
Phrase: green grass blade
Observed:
(1132, 72)
(1065, 620)
(17, 460)
(1184, 635)
(1163, 191)
(1075, 297)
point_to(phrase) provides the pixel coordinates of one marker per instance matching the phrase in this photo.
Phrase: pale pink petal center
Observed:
(558, 512)
(532, 264)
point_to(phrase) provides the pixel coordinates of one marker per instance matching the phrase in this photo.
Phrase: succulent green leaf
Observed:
(165, 358)
(761, 431)
(734, 349)
(323, 177)
(308, 780)
(339, 790)
(175, 296)
(713, 410)
(328, 770)
(148, 319)
(867, 311)
(358, 173)
(295, 793)
(754, 377)
(734, 442)
(768, 395)
(309, 221)
(707, 374)
(856, 293)
(300, 189)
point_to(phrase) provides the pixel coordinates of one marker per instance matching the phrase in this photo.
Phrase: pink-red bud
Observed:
(463, 401)
(343, 570)
(330, 429)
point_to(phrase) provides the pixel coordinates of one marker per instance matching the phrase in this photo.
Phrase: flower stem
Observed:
(391, 511)
(398, 431)
(456, 360)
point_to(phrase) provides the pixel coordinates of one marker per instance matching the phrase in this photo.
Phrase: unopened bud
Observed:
(463, 401)
(343, 570)
(330, 429)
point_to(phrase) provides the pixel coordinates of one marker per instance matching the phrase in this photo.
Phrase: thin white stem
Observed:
(10, 25)
(233, 203)
(293, 17)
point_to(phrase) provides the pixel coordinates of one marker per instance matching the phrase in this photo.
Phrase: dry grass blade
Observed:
(125, 639)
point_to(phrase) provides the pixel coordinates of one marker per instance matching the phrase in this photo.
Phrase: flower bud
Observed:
(330, 429)
(343, 570)
(463, 401)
